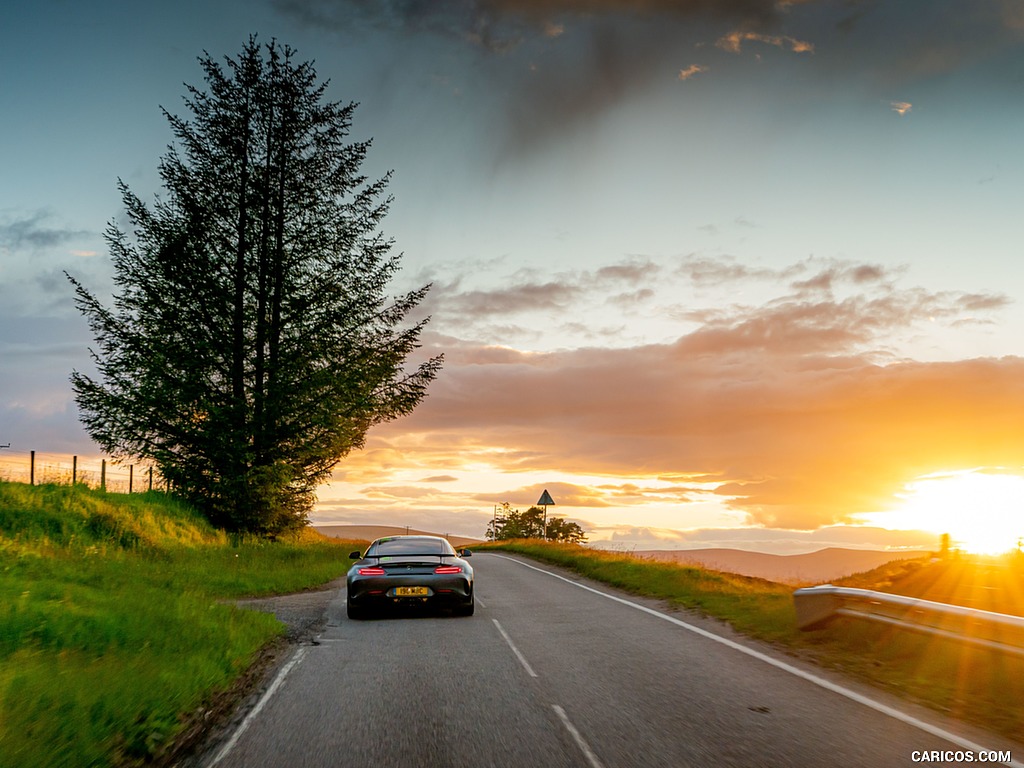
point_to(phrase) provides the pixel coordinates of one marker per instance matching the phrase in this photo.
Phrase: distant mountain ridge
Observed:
(810, 568)
(819, 567)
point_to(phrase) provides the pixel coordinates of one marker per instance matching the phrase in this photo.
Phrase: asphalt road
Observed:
(554, 670)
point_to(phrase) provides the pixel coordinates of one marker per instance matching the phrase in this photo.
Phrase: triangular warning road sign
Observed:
(545, 499)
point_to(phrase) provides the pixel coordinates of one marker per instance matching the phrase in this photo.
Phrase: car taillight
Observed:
(448, 569)
(372, 570)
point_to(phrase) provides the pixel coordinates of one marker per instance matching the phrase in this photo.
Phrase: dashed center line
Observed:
(522, 659)
(573, 731)
(584, 747)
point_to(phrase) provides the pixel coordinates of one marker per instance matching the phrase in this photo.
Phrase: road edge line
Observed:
(278, 680)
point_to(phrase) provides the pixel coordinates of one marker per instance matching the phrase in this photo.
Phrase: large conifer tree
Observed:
(252, 340)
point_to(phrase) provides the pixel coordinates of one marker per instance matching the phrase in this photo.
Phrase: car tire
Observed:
(466, 610)
(355, 612)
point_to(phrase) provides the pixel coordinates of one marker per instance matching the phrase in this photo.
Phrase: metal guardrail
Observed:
(817, 606)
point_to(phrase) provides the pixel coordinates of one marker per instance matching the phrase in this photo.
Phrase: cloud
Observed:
(524, 297)
(455, 308)
(806, 442)
(442, 520)
(499, 23)
(564, 494)
(692, 71)
(559, 64)
(439, 479)
(795, 410)
(562, 64)
(901, 107)
(733, 42)
(28, 232)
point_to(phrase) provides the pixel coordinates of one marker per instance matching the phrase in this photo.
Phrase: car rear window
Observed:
(411, 547)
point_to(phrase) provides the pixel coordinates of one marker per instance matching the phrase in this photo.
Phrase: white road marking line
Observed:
(479, 602)
(522, 659)
(821, 682)
(584, 747)
(259, 706)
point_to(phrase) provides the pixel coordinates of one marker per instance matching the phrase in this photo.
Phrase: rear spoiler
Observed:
(398, 558)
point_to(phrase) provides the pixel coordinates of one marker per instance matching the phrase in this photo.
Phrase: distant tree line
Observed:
(514, 524)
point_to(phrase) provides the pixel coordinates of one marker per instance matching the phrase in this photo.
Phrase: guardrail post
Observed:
(151, 478)
(74, 470)
(103, 475)
(32, 468)
(131, 468)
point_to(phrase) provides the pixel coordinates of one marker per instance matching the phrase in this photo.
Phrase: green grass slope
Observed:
(116, 619)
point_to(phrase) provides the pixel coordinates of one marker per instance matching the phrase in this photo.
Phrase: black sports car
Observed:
(410, 570)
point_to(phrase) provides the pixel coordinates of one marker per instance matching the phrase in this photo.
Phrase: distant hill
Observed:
(371, 532)
(819, 567)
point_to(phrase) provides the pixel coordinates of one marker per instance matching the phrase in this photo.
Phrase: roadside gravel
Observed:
(304, 613)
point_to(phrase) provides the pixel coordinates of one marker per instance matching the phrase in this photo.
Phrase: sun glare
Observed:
(982, 511)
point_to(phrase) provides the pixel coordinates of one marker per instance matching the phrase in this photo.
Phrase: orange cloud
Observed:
(691, 71)
(733, 42)
(800, 445)
(793, 413)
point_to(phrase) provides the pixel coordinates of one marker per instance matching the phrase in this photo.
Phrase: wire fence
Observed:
(38, 468)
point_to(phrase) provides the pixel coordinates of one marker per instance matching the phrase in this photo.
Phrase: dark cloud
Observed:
(453, 306)
(34, 231)
(823, 306)
(500, 24)
(947, 37)
(525, 297)
(557, 65)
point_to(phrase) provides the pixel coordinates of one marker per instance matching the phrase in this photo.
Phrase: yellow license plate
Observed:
(411, 592)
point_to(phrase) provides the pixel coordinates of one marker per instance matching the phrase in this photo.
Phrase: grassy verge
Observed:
(116, 621)
(976, 686)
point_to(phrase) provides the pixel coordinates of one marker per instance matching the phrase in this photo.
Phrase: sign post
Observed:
(544, 500)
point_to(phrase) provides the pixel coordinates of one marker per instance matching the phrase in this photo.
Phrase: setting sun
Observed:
(982, 511)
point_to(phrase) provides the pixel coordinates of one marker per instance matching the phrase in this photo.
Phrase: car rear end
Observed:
(395, 572)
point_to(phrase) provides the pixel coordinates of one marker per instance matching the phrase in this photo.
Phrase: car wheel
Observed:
(466, 610)
(355, 612)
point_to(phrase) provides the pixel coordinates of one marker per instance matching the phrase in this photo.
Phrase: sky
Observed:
(739, 273)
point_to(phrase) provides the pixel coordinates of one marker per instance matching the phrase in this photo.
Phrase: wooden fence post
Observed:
(32, 468)
(103, 475)
(131, 469)
(74, 470)
(151, 478)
